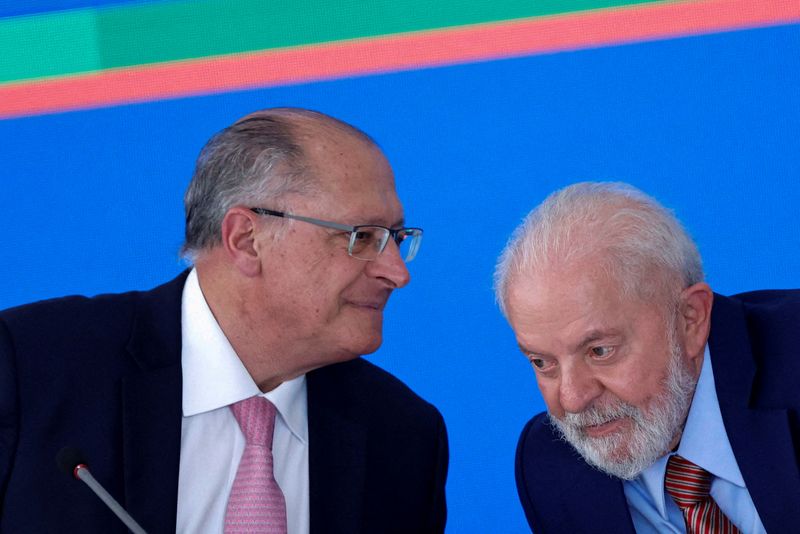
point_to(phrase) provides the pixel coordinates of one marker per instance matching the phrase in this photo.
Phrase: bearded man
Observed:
(661, 415)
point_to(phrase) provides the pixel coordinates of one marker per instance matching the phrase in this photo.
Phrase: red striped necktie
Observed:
(689, 486)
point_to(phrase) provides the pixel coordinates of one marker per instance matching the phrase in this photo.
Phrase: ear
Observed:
(239, 228)
(695, 308)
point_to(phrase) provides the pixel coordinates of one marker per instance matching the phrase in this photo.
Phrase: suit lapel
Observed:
(151, 409)
(608, 510)
(761, 438)
(337, 469)
(151, 447)
(560, 492)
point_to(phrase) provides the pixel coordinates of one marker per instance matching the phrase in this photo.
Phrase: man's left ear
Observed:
(696, 303)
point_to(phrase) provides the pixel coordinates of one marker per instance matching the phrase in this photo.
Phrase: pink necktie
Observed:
(689, 486)
(256, 503)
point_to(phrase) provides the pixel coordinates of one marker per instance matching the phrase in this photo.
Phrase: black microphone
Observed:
(72, 462)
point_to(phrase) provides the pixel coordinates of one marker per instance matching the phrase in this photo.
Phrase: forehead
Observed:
(559, 287)
(355, 179)
(566, 303)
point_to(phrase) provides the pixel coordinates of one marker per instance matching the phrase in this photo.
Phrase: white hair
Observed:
(639, 243)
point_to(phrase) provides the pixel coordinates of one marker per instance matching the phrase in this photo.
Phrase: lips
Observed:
(371, 305)
(603, 429)
(373, 302)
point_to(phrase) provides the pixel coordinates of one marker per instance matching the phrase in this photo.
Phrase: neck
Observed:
(268, 355)
(224, 294)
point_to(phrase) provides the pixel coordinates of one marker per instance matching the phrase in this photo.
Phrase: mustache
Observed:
(598, 415)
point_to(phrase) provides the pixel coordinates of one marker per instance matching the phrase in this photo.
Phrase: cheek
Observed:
(332, 290)
(637, 390)
(550, 393)
(348, 280)
(644, 381)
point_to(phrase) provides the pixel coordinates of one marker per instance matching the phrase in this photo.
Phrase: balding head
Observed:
(262, 157)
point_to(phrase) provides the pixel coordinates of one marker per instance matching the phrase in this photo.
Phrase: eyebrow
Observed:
(526, 351)
(596, 335)
(376, 222)
(591, 337)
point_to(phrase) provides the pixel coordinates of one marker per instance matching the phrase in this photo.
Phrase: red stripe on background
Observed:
(398, 52)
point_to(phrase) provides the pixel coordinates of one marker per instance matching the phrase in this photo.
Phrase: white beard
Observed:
(626, 454)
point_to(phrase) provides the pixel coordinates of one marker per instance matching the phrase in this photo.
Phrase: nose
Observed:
(390, 266)
(578, 388)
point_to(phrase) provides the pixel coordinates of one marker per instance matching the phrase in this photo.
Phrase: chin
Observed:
(355, 346)
(370, 346)
(620, 454)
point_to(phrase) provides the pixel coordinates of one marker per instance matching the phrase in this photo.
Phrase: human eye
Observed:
(364, 235)
(541, 364)
(363, 238)
(601, 353)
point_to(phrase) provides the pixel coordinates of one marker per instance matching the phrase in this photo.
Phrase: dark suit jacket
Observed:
(104, 375)
(755, 352)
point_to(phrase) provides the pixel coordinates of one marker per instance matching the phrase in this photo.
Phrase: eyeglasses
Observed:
(366, 240)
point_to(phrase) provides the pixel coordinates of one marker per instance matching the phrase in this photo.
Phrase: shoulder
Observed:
(542, 455)
(362, 391)
(78, 324)
(770, 297)
(367, 389)
(764, 315)
(559, 491)
(64, 345)
(541, 460)
(79, 307)
(759, 327)
(399, 439)
(769, 304)
(69, 319)
(540, 467)
(767, 313)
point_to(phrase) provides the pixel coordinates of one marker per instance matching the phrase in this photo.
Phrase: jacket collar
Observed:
(760, 436)
(337, 452)
(151, 411)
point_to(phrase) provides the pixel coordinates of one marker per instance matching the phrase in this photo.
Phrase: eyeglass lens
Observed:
(368, 241)
(409, 244)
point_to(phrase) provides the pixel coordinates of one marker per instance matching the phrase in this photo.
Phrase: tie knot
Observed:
(256, 418)
(687, 483)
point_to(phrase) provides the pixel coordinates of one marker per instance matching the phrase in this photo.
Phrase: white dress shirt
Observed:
(704, 443)
(211, 441)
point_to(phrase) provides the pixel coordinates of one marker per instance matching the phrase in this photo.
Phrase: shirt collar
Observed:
(291, 401)
(704, 441)
(213, 374)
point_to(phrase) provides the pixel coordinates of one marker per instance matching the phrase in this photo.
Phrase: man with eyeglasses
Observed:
(233, 398)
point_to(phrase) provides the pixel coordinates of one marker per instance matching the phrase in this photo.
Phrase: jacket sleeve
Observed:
(9, 420)
(439, 512)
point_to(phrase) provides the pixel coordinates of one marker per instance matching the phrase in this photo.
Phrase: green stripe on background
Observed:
(151, 33)
(164, 32)
(48, 45)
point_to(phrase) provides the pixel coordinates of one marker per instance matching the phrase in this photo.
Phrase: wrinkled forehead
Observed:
(579, 299)
(555, 287)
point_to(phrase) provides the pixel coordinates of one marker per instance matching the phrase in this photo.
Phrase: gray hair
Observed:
(637, 241)
(260, 158)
